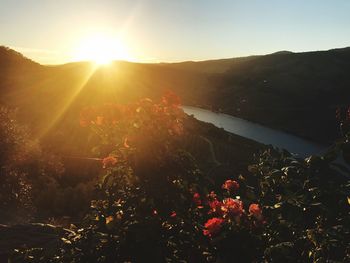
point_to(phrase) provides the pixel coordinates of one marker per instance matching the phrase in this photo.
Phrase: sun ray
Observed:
(91, 68)
(101, 48)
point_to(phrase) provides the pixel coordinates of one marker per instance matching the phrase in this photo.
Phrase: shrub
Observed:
(155, 205)
(25, 169)
(306, 207)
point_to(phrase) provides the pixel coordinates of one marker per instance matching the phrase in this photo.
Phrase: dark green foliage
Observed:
(147, 220)
(14, 188)
(32, 183)
(306, 207)
(145, 213)
(143, 210)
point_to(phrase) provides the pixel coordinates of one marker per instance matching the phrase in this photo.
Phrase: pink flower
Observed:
(213, 226)
(230, 185)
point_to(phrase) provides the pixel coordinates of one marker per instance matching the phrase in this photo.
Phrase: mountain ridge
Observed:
(295, 92)
(11, 50)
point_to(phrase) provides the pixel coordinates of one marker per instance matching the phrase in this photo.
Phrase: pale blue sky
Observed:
(164, 30)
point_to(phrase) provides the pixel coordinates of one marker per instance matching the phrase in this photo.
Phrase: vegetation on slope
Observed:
(152, 196)
(156, 180)
(296, 92)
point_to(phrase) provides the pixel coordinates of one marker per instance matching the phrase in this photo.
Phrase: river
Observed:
(257, 132)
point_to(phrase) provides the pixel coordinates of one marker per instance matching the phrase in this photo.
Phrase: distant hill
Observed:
(296, 92)
(210, 66)
(10, 58)
(282, 52)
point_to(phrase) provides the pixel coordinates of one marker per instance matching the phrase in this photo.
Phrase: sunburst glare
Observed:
(102, 49)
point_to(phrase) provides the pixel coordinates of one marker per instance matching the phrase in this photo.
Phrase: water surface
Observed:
(257, 132)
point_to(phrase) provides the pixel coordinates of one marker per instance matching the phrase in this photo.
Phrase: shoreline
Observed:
(273, 127)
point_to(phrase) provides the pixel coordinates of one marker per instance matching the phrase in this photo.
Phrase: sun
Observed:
(101, 49)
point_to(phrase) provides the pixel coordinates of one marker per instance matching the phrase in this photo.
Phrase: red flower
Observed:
(173, 214)
(256, 211)
(171, 99)
(197, 199)
(230, 185)
(213, 226)
(215, 206)
(109, 161)
(212, 195)
(232, 207)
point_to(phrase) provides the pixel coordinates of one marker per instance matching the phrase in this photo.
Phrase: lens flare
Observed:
(101, 49)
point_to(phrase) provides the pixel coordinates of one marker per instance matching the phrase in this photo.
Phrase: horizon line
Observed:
(18, 49)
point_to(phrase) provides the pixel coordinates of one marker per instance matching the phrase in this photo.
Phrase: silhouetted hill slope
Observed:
(296, 92)
(12, 58)
(210, 66)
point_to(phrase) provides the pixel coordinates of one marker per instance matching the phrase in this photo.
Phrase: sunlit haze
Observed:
(174, 131)
(53, 32)
(101, 48)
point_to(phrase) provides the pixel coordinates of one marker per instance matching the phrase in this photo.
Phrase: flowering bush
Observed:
(305, 202)
(154, 205)
(230, 227)
(139, 134)
(229, 211)
(24, 168)
(150, 195)
(129, 123)
(213, 226)
(145, 195)
(230, 185)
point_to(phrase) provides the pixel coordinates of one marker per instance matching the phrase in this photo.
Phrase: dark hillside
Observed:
(11, 58)
(296, 92)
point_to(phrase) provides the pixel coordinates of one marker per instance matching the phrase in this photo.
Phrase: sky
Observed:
(52, 32)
